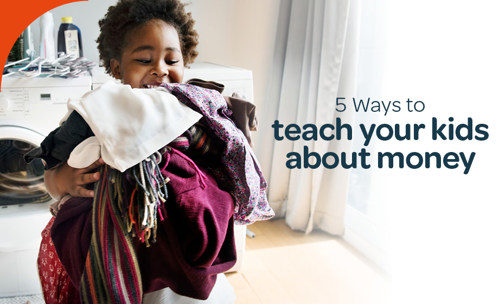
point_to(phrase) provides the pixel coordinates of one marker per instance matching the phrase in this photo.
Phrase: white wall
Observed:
(232, 32)
(238, 33)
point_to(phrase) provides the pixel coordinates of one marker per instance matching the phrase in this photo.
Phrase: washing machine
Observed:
(29, 109)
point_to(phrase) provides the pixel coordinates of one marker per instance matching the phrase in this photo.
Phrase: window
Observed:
(365, 216)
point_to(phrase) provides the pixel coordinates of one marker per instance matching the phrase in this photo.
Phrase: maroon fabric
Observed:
(195, 242)
(71, 233)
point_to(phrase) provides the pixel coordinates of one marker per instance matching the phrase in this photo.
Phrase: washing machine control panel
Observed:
(39, 103)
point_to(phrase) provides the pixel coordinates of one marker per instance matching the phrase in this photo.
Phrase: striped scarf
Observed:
(111, 273)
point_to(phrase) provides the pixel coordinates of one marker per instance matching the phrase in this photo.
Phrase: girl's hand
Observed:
(64, 180)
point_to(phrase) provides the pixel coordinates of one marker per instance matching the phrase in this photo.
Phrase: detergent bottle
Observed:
(69, 38)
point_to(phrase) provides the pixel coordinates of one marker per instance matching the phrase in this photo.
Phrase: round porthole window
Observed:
(20, 183)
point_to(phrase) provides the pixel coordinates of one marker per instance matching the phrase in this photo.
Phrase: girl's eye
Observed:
(172, 62)
(143, 60)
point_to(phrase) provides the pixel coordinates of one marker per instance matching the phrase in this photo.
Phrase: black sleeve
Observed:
(57, 146)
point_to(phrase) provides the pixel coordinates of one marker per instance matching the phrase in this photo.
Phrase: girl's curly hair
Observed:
(126, 15)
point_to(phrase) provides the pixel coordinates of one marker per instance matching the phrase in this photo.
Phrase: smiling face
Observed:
(151, 55)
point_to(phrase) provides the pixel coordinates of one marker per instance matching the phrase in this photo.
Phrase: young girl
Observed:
(146, 44)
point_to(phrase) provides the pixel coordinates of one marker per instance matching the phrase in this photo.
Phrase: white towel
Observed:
(87, 152)
(131, 124)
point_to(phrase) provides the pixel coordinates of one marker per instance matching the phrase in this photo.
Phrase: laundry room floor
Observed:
(284, 266)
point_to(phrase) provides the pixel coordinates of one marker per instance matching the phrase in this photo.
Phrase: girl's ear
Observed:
(115, 68)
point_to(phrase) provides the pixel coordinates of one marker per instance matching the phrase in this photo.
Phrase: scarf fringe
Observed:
(126, 205)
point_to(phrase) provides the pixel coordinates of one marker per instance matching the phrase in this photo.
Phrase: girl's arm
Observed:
(64, 180)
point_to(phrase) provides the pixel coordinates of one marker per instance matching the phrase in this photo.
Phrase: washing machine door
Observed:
(20, 183)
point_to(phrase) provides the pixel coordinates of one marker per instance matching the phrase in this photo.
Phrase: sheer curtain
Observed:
(315, 61)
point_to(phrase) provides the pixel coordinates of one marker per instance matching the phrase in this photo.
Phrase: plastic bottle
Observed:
(47, 43)
(28, 50)
(69, 38)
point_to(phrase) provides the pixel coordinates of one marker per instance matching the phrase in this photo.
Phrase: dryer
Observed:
(29, 109)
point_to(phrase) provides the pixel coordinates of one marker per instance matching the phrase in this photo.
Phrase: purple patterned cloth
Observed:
(240, 172)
